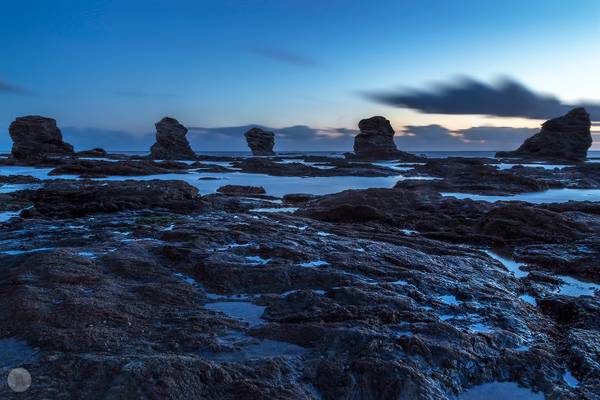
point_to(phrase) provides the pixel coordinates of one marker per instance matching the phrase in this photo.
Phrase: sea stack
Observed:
(261, 142)
(37, 137)
(565, 138)
(376, 141)
(171, 143)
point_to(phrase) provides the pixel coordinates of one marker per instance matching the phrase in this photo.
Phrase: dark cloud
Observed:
(6, 87)
(286, 57)
(303, 138)
(436, 137)
(506, 98)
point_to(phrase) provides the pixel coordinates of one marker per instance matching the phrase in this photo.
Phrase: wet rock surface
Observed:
(146, 289)
(171, 143)
(75, 199)
(37, 137)
(260, 142)
(563, 138)
(102, 169)
(96, 152)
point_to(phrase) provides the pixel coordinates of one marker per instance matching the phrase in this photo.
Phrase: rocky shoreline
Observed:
(150, 288)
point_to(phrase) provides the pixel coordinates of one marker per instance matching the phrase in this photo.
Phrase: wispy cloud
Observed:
(505, 98)
(286, 57)
(9, 88)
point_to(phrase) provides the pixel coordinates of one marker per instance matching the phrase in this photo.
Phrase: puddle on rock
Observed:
(15, 352)
(275, 210)
(574, 288)
(528, 299)
(241, 310)
(245, 348)
(449, 299)
(499, 391)
(570, 379)
(312, 264)
(509, 263)
(257, 260)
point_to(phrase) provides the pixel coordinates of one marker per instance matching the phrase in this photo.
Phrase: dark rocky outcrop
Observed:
(68, 199)
(36, 137)
(517, 221)
(96, 152)
(241, 190)
(171, 143)
(270, 167)
(472, 175)
(376, 142)
(102, 169)
(565, 138)
(261, 142)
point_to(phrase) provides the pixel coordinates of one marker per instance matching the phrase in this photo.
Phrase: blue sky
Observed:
(110, 69)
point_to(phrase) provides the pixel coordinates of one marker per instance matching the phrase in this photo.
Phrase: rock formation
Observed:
(376, 141)
(37, 137)
(261, 142)
(95, 152)
(171, 143)
(565, 138)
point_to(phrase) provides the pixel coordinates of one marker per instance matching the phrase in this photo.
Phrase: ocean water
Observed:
(280, 185)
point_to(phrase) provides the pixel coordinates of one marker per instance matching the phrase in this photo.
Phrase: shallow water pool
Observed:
(548, 196)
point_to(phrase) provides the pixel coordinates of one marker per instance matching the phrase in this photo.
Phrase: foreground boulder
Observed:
(376, 141)
(171, 143)
(565, 138)
(37, 137)
(261, 142)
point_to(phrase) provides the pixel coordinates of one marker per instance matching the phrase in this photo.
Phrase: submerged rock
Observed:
(240, 189)
(171, 143)
(37, 137)
(565, 138)
(376, 141)
(261, 142)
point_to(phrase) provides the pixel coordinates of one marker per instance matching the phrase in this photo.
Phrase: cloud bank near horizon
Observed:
(505, 98)
(305, 138)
